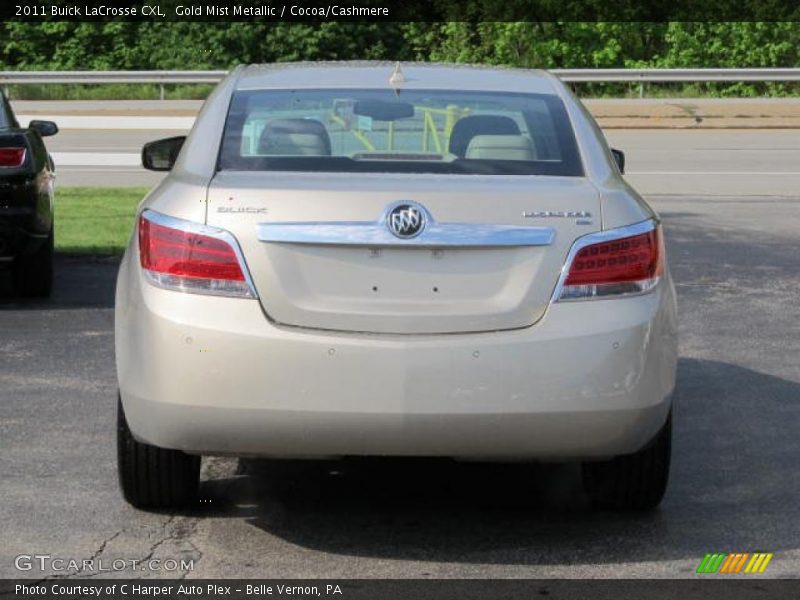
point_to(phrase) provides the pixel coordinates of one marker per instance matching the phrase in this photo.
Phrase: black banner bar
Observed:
(700, 588)
(320, 11)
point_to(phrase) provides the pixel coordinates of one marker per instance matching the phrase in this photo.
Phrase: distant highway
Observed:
(102, 149)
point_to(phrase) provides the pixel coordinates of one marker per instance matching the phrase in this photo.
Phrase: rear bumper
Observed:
(17, 236)
(22, 226)
(212, 375)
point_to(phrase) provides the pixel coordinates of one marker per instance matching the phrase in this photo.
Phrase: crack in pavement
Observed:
(172, 530)
(178, 535)
(94, 556)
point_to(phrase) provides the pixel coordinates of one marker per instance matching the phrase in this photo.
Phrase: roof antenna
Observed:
(397, 77)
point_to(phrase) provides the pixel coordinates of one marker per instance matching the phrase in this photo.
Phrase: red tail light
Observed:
(616, 265)
(12, 157)
(189, 257)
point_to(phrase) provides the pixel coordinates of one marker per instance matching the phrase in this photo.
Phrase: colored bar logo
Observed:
(738, 562)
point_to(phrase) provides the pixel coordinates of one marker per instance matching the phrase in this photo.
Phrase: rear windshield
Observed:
(409, 131)
(6, 116)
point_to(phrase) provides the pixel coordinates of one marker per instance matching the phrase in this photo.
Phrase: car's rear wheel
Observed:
(633, 481)
(153, 477)
(33, 273)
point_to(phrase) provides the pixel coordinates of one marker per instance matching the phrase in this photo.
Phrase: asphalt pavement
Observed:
(733, 487)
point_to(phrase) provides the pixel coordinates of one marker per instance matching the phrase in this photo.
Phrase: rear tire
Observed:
(33, 273)
(634, 481)
(151, 477)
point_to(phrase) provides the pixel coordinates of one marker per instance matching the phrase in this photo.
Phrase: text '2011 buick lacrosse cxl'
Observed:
(356, 259)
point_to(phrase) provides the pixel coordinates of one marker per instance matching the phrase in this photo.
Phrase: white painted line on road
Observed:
(748, 173)
(118, 122)
(101, 170)
(103, 149)
(96, 159)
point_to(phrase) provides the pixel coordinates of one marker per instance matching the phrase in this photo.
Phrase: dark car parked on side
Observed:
(27, 176)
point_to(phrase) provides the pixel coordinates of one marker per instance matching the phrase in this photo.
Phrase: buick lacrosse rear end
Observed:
(367, 260)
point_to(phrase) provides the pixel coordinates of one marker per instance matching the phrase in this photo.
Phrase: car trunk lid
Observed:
(321, 254)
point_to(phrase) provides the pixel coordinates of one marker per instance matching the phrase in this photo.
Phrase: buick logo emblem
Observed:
(406, 220)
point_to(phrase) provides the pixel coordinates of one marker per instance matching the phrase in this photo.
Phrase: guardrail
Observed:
(160, 78)
(686, 75)
(641, 76)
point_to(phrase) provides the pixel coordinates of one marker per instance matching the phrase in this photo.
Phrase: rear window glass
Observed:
(6, 118)
(411, 131)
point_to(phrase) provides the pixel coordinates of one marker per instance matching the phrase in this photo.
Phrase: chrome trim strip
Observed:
(369, 233)
(215, 232)
(376, 233)
(595, 238)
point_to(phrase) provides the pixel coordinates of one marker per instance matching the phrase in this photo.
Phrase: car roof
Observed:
(374, 74)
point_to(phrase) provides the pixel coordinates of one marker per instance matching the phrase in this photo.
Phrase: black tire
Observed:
(33, 273)
(151, 477)
(634, 481)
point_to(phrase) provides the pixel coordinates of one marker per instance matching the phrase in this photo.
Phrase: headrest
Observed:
(287, 137)
(468, 127)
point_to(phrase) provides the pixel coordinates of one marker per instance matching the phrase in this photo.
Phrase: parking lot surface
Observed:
(733, 488)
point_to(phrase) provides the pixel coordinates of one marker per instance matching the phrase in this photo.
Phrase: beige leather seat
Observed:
(501, 147)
